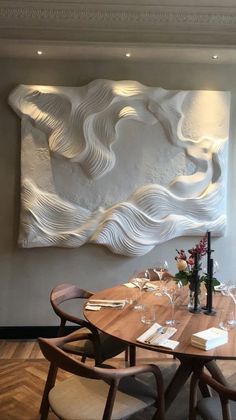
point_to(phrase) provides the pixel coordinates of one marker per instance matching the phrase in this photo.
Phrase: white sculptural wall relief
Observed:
(120, 164)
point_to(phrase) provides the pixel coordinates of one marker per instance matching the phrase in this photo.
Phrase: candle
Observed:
(208, 251)
(208, 241)
(196, 281)
(209, 291)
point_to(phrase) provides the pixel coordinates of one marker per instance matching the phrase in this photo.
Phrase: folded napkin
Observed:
(150, 286)
(133, 283)
(130, 285)
(92, 307)
(219, 287)
(157, 335)
(100, 303)
(210, 338)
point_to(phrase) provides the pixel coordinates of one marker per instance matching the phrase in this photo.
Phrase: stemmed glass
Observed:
(160, 269)
(215, 267)
(230, 290)
(140, 283)
(172, 291)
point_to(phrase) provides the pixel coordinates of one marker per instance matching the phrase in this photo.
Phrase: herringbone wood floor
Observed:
(23, 371)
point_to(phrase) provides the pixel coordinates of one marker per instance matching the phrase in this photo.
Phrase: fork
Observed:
(159, 331)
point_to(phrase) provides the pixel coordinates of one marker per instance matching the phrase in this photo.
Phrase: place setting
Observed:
(97, 304)
(158, 335)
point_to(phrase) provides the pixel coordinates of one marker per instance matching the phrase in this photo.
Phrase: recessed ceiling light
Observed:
(127, 54)
(39, 52)
(215, 57)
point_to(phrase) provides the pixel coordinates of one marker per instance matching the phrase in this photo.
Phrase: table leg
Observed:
(186, 368)
(180, 377)
(132, 355)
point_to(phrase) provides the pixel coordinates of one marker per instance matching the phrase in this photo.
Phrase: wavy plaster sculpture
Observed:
(73, 142)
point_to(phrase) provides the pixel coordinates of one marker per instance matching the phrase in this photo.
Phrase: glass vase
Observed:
(191, 302)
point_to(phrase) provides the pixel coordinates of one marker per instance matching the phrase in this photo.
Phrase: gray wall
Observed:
(28, 275)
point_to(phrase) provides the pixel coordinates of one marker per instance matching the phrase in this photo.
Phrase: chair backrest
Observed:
(52, 351)
(224, 392)
(63, 293)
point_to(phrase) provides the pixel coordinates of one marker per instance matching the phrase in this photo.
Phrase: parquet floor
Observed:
(23, 371)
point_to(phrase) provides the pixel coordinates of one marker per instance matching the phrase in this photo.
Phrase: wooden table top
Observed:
(126, 324)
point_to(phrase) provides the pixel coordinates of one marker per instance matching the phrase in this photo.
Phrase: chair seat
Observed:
(86, 398)
(110, 346)
(210, 408)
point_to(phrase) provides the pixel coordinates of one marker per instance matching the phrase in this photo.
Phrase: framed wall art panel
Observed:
(120, 164)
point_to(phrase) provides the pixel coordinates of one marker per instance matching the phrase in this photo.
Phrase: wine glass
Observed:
(230, 290)
(215, 267)
(140, 283)
(160, 269)
(173, 291)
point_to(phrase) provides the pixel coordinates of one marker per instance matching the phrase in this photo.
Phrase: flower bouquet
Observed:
(189, 265)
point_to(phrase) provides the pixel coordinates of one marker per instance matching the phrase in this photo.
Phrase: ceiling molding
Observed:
(112, 22)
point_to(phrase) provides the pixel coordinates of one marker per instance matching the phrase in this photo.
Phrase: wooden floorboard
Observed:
(22, 383)
(23, 372)
(29, 349)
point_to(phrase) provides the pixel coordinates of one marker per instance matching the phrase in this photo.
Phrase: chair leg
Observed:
(194, 383)
(44, 407)
(83, 358)
(127, 355)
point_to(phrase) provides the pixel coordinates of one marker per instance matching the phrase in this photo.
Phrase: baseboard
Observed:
(18, 333)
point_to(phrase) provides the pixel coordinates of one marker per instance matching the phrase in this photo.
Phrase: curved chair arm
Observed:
(224, 391)
(225, 394)
(102, 345)
(64, 292)
(52, 351)
(115, 375)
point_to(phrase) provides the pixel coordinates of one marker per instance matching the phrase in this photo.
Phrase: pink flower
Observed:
(191, 261)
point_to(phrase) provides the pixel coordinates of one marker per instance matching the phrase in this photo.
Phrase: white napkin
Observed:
(150, 286)
(219, 287)
(161, 340)
(130, 285)
(105, 303)
(210, 338)
(92, 307)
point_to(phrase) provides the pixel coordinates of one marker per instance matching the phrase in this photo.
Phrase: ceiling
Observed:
(169, 30)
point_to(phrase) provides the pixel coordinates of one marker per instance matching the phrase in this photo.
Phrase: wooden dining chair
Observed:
(218, 406)
(97, 393)
(90, 342)
(87, 340)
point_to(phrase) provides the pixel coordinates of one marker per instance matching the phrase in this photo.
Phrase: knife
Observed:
(159, 331)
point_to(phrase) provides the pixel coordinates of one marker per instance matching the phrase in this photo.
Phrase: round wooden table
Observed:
(126, 325)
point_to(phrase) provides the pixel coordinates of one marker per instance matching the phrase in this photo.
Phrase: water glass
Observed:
(226, 319)
(148, 314)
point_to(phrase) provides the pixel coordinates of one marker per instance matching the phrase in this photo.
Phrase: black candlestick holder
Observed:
(210, 263)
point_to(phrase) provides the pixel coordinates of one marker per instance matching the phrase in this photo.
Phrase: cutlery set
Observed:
(162, 333)
(107, 303)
